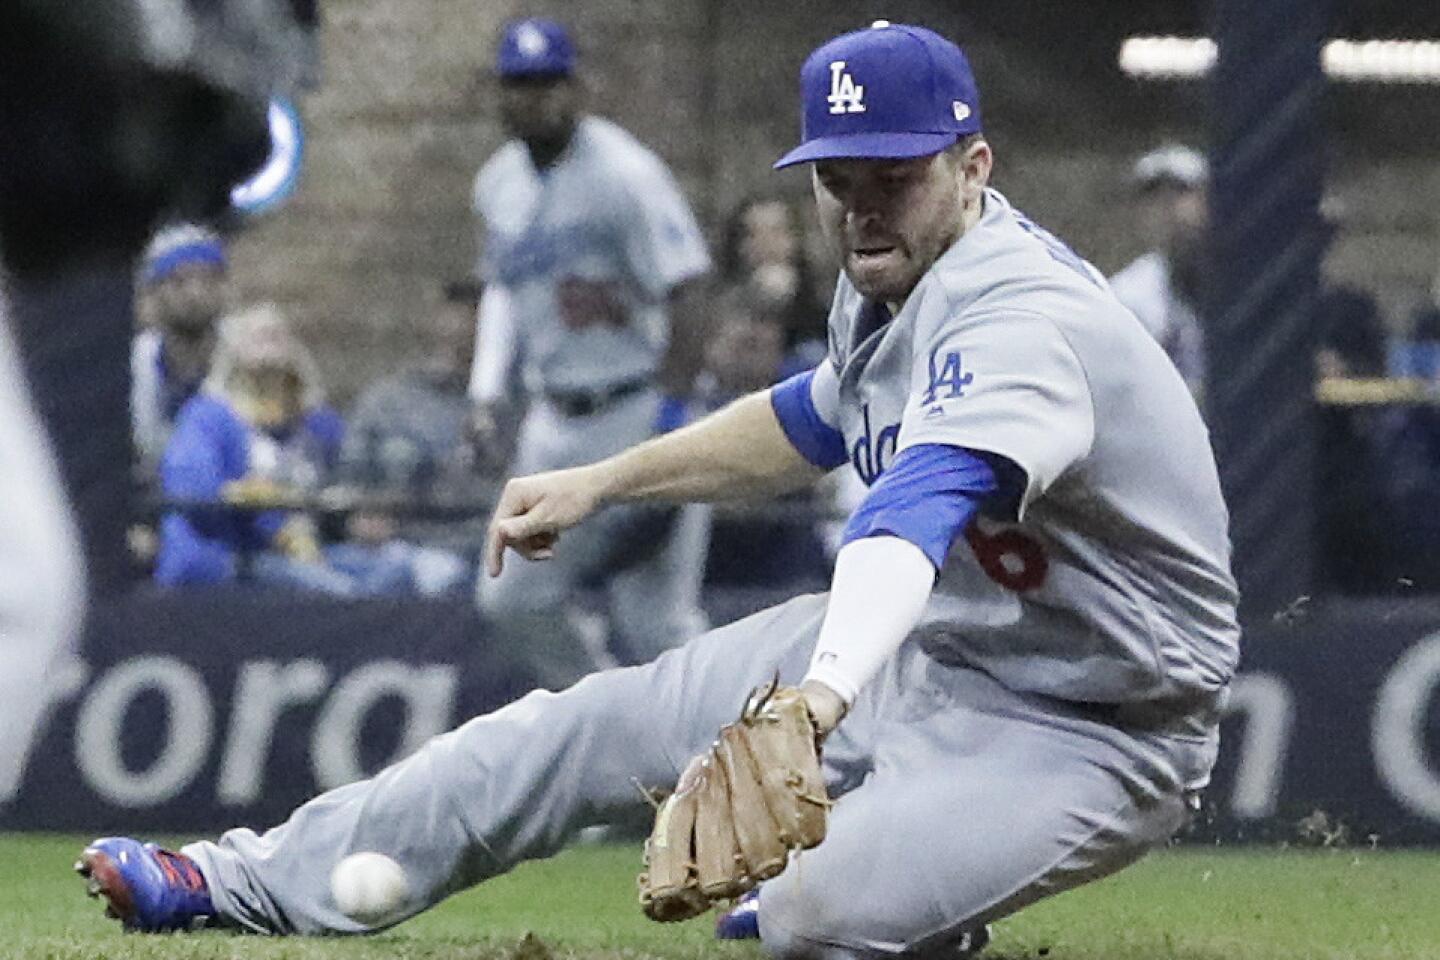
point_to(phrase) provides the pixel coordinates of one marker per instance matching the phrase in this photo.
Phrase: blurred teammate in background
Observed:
(592, 260)
(182, 291)
(1164, 286)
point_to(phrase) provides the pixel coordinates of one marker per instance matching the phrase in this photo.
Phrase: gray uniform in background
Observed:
(605, 225)
(1046, 724)
(42, 586)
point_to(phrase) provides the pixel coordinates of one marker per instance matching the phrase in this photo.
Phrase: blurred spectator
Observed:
(746, 354)
(259, 433)
(183, 288)
(1164, 286)
(1418, 355)
(409, 436)
(764, 252)
(1351, 331)
(408, 431)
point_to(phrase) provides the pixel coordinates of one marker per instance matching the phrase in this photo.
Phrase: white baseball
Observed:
(369, 887)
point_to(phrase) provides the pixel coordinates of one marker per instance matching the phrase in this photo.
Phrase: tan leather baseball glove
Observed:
(738, 810)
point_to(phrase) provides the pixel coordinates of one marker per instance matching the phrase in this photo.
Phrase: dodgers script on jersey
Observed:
(1112, 584)
(605, 222)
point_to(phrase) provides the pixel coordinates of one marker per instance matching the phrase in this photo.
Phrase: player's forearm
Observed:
(740, 451)
(495, 346)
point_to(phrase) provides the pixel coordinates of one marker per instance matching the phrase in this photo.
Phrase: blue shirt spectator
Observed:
(214, 448)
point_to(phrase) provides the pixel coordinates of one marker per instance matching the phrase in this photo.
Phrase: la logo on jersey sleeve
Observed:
(948, 378)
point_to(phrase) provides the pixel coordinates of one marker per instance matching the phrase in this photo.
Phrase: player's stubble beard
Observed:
(917, 250)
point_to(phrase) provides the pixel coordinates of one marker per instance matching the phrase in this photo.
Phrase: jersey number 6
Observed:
(1009, 557)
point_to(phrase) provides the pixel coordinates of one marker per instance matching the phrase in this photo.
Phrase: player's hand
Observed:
(827, 708)
(534, 510)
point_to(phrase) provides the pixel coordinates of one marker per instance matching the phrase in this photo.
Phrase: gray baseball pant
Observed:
(961, 801)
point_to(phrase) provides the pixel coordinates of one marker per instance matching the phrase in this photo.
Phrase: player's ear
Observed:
(975, 160)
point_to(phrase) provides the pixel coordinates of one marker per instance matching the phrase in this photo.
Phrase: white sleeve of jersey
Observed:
(663, 242)
(494, 345)
(877, 594)
(1005, 382)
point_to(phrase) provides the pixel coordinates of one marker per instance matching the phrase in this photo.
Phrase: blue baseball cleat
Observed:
(146, 888)
(742, 921)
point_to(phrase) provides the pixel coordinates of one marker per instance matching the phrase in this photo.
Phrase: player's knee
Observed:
(805, 940)
(802, 919)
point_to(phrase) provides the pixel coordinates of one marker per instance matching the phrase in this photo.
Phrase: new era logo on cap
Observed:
(530, 41)
(534, 47)
(891, 92)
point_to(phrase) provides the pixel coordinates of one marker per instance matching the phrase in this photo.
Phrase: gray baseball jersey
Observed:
(1113, 584)
(606, 219)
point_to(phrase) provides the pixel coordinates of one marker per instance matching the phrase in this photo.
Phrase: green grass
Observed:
(1177, 905)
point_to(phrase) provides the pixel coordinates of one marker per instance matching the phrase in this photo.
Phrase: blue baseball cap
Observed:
(535, 47)
(891, 92)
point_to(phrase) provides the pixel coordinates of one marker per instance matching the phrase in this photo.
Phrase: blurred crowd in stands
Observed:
(252, 475)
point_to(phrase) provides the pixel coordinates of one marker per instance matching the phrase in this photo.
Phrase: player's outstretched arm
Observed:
(738, 452)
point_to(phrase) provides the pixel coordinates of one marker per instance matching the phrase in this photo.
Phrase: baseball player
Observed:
(1019, 668)
(591, 259)
(1163, 286)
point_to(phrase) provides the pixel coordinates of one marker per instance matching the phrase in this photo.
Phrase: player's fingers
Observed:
(541, 546)
(512, 503)
(527, 535)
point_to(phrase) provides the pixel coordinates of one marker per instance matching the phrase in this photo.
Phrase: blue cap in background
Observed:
(891, 92)
(180, 245)
(535, 47)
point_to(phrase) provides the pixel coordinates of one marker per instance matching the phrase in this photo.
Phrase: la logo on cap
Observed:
(846, 96)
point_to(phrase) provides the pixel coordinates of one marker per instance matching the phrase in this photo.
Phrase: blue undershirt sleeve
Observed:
(929, 495)
(816, 440)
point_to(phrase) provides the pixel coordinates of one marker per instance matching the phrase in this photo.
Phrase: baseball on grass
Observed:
(369, 887)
